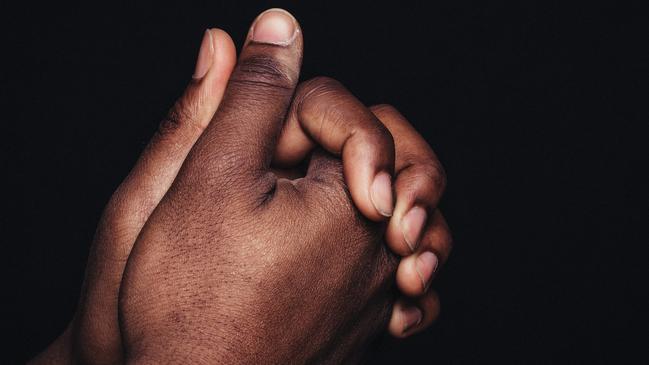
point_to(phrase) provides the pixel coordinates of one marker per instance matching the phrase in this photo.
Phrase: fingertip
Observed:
(275, 38)
(381, 194)
(225, 54)
(413, 316)
(412, 226)
(408, 279)
(205, 56)
(395, 238)
(404, 318)
(274, 26)
(370, 191)
(216, 60)
(416, 198)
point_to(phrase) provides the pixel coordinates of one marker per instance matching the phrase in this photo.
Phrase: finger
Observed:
(159, 163)
(325, 113)
(413, 316)
(140, 192)
(237, 147)
(416, 272)
(420, 182)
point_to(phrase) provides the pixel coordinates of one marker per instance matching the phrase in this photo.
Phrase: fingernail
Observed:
(426, 265)
(205, 56)
(274, 26)
(381, 193)
(411, 318)
(412, 224)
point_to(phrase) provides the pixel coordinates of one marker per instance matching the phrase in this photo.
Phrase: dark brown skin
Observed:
(233, 256)
(287, 274)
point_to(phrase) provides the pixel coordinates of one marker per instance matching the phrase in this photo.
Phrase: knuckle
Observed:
(326, 99)
(320, 83)
(262, 72)
(383, 109)
(121, 212)
(440, 178)
(432, 305)
(437, 175)
(316, 89)
(130, 205)
(116, 229)
(430, 175)
(181, 116)
(376, 137)
(446, 238)
(440, 241)
(113, 212)
(379, 131)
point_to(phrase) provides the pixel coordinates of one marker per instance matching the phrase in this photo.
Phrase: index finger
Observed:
(326, 113)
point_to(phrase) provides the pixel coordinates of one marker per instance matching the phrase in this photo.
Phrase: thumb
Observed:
(236, 148)
(141, 191)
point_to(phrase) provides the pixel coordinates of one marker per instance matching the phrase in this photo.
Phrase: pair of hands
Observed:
(218, 240)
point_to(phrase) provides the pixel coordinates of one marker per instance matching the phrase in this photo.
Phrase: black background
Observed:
(538, 111)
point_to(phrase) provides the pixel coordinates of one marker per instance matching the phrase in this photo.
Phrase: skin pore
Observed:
(178, 271)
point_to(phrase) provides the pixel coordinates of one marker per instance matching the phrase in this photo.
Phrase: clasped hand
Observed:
(264, 222)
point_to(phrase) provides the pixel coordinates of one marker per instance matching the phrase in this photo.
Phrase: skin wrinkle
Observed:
(323, 201)
(322, 88)
(420, 175)
(231, 256)
(262, 75)
(180, 117)
(346, 255)
(269, 64)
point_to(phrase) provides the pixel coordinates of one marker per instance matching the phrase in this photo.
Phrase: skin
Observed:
(216, 223)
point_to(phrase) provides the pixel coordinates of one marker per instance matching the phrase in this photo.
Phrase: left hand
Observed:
(416, 228)
(419, 185)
